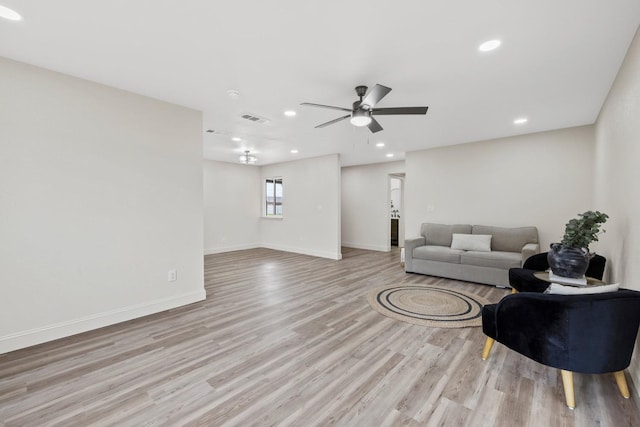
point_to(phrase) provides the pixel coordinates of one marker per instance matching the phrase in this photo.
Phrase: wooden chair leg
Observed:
(567, 383)
(622, 384)
(487, 348)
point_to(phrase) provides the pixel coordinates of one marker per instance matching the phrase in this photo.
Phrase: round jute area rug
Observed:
(428, 305)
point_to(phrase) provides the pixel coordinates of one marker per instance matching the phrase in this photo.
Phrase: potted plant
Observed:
(570, 257)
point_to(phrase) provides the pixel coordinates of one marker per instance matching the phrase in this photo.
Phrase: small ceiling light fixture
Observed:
(390, 155)
(520, 121)
(233, 94)
(360, 117)
(247, 158)
(294, 151)
(9, 14)
(489, 45)
(236, 139)
(290, 113)
(380, 144)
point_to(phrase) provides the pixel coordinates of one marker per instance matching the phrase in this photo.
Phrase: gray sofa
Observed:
(432, 253)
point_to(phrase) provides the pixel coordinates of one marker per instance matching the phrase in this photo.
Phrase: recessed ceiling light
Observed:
(489, 45)
(9, 14)
(290, 113)
(233, 94)
(380, 144)
(294, 151)
(390, 155)
(236, 139)
(520, 121)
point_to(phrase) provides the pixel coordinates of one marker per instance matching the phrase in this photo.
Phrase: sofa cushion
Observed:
(441, 234)
(471, 242)
(494, 259)
(508, 239)
(437, 253)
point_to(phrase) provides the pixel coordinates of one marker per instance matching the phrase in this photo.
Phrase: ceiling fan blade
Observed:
(399, 110)
(374, 126)
(339, 119)
(326, 106)
(375, 95)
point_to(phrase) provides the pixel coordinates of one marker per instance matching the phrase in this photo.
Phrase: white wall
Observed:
(617, 173)
(365, 205)
(542, 179)
(311, 208)
(232, 202)
(100, 195)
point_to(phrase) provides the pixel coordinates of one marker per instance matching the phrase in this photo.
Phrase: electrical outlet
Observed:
(172, 275)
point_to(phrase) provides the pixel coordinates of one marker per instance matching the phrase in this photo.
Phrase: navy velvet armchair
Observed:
(575, 333)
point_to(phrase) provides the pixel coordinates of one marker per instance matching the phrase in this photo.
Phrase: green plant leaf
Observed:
(580, 232)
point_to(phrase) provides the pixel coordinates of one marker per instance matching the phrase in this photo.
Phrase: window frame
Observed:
(276, 181)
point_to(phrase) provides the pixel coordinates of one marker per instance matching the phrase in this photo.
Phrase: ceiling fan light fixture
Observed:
(360, 118)
(247, 158)
(362, 112)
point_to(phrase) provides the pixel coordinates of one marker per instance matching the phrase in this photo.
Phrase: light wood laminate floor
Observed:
(289, 340)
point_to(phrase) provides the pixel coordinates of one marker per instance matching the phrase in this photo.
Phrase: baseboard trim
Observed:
(283, 248)
(366, 247)
(222, 249)
(320, 254)
(56, 331)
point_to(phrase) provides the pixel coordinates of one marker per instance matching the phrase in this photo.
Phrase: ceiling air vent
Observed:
(216, 132)
(253, 118)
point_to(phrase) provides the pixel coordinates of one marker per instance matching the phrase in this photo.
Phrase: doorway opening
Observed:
(396, 209)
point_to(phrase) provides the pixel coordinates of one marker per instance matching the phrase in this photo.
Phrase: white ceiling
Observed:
(556, 64)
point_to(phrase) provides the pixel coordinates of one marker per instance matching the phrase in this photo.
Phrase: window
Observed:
(273, 197)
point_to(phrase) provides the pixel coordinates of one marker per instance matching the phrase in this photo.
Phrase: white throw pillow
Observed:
(471, 242)
(558, 289)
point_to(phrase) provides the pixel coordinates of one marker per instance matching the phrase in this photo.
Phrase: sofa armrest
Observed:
(528, 250)
(409, 246)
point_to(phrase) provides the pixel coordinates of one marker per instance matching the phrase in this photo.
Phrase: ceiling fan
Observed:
(362, 112)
